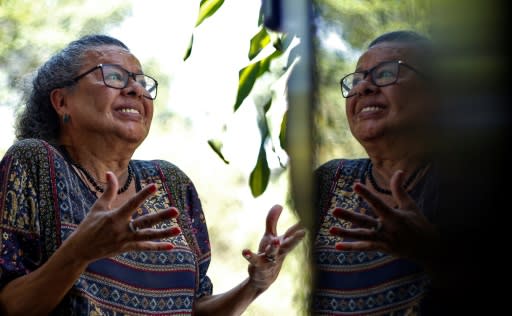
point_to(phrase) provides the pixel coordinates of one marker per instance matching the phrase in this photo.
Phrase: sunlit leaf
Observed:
(258, 43)
(267, 105)
(207, 9)
(282, 132)
(248, 75)
(216, 145)
(260, 175)
(189, 48)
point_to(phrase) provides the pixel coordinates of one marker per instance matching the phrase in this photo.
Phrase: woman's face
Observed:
(97, 110)
(395, 110)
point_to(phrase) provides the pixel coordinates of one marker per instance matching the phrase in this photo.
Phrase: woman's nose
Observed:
(133, 88)
(366, 87)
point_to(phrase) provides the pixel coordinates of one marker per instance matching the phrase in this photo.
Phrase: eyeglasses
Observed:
(115, 76)
(381, 75)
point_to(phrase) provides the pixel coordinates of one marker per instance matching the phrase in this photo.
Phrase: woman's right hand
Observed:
(106, 231)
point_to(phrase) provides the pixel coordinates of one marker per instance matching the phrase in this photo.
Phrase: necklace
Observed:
(91, 179)
(407, 183)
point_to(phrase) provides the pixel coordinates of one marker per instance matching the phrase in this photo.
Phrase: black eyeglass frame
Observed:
(132, 75)
(370, 72)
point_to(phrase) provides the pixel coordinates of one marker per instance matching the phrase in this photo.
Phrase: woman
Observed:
(85, 229)
(382, 207)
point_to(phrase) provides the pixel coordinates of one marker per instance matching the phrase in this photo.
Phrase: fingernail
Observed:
(276, 242)
(336, 212)
(152, 188)
(175, 230)
(172, 213)
(339, 247)
(246, 253)
(334, 230)
(169, 247)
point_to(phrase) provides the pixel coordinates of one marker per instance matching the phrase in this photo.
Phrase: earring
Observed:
(65, 118)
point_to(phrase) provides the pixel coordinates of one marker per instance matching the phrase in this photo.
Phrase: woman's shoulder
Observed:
(29, 148)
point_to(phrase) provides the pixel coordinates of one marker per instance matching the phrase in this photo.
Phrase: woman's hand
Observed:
(264, 266)
(107, 231)
(403, 231)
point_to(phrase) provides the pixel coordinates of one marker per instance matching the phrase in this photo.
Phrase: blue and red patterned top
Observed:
(43, 200)
(359, 282)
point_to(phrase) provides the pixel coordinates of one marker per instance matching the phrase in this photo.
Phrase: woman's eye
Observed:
(114, 77)
(385, 74)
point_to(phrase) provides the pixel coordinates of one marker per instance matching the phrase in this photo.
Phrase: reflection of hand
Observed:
(105, 232)
(264, 266)
(404, 231)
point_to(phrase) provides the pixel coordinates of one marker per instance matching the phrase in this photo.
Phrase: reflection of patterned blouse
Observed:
(362, 283)
(42, 200)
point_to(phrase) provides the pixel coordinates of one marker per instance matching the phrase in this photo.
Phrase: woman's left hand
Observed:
(265, 265)
(402, 231)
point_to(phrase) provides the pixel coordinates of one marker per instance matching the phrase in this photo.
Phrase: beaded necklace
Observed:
(407, 183)
(91, 179)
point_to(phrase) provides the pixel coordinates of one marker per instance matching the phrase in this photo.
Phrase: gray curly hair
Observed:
(38, 118)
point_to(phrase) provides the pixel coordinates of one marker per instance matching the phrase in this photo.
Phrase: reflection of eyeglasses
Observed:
(115, 76)
(383, 74)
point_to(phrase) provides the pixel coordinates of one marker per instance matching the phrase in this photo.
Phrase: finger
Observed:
(293, 229)
(272, 218)
(292, 241)
(135, 201)
(273, 248)
(110, 190)
(399, 192)
(379, 207)
(149, 234)
(250, 256)
(150, 246)
(354, 233)
(149, 220)
(360, 220)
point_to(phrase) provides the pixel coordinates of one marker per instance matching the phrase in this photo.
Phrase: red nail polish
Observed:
(339, 247)
(169, 247)
(175, 231)
(172, 213)
(334, 230)
(246, 253)
(336, 212)
(276, 242)
(152, 188)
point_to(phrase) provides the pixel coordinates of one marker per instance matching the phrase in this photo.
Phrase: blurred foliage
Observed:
(30, 31)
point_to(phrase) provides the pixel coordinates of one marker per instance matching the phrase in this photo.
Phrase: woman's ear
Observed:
(58, 99)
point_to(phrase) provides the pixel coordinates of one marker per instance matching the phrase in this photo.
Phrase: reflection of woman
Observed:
(85, 229)
(381, 207)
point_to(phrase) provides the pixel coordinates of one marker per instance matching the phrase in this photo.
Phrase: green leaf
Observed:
(282, 132)
(216, 145)
(260, 175)
(258, 42)
(189, 48)
(248, 75)
(207, 9)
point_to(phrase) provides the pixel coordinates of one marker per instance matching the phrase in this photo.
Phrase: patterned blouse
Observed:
(43, 200)
(356, 282)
